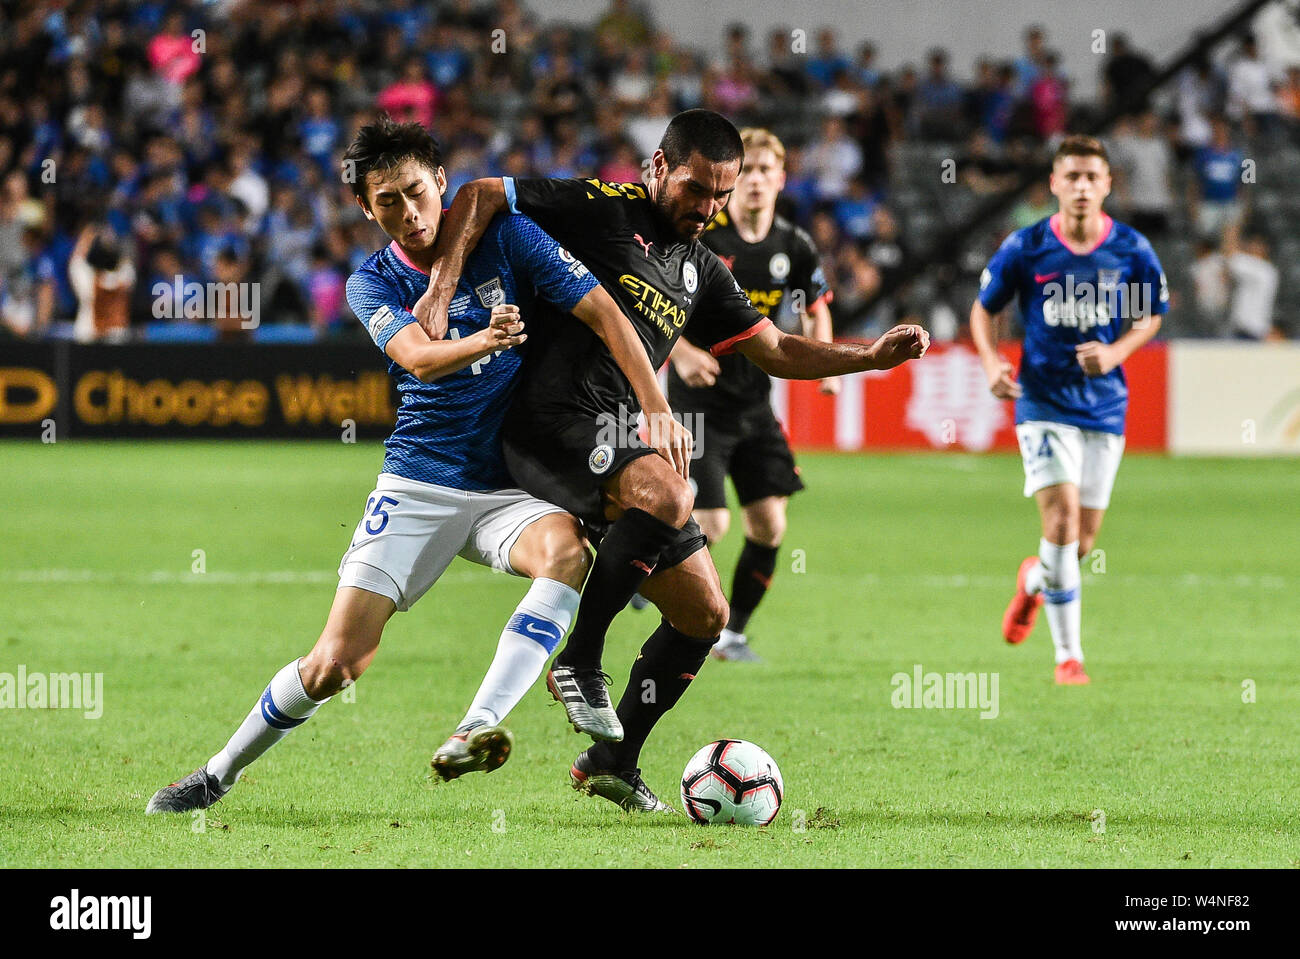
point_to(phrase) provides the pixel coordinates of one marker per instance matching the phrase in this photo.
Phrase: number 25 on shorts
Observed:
(376, 511)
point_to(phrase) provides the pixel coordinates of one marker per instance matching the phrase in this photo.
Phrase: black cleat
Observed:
(582, 693)
(624, 787)
(198, 790)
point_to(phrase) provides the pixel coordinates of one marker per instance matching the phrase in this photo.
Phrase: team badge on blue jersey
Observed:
(491, 293)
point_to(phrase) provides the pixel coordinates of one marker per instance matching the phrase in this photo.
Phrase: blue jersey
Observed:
(448, 431)
(1069, 298)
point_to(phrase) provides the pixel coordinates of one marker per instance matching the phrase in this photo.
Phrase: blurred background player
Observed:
(737, 433)
(1079, 275)
(444, 490)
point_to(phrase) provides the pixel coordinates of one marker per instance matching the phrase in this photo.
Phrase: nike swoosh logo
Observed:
(531, 628)
(1046, 276)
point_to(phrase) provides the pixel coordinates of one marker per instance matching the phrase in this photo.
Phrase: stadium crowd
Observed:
(148, 140)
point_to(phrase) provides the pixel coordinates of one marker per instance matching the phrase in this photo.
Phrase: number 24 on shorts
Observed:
(376, 510)
(1045, 448)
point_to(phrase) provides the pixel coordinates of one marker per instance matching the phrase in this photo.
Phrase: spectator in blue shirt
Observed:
(829, 62)
(1215, 189)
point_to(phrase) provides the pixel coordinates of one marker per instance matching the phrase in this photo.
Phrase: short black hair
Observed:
(709, 134)
(384, 144)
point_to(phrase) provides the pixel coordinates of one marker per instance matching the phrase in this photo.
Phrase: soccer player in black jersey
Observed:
(728, 397)
(569, 436)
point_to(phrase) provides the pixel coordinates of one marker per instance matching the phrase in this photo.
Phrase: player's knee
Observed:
(767, 530)
(713, 525)
(565, 558)
(706, 618)
(330, 667)
(670, 502)
(1059, 526)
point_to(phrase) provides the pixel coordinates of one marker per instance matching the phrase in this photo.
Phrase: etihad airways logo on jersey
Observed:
(653, 304)
(1085, 304)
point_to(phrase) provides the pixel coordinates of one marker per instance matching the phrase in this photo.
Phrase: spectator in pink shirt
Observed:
(171, 53)
(412, 97)
(1049, 95)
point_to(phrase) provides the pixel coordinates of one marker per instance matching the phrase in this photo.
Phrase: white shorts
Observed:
(411, 531)
(1056, 453)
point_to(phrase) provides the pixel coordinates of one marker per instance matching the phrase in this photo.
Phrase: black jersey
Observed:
(663, 284)
(770, 272)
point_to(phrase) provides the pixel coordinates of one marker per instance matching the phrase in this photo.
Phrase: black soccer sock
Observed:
(753, 576)
(662, 672)
(627, 555)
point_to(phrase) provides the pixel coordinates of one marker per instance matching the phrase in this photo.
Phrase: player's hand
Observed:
(1096, 358)
(830, 386)
(897, 346)
(504, 330)
(696, 367)
(1002, 382)
(431, 312)
(671, 440)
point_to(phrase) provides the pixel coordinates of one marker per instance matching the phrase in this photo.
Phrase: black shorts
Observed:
(751, 449)
(565, 459)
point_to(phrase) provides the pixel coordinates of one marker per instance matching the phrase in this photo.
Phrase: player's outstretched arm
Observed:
(1001, 374)
(476, 203)
(428, 359)
(670, 439)
(817, 325)
(793, 357)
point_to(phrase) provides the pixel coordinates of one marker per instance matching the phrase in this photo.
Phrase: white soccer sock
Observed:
(1034, 578)
(284, 705)
(540, 621)
(1061, 591)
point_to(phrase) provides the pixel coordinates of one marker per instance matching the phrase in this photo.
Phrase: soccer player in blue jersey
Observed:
(1082, 278)
(444, 490)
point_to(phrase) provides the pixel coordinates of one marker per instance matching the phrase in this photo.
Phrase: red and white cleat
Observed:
(1022, 612)
(1070, 673)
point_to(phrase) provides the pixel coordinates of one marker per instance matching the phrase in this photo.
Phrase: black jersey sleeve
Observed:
(724, 316)
(563, 205)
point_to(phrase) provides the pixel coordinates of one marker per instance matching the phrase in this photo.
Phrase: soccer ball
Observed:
(732, 781)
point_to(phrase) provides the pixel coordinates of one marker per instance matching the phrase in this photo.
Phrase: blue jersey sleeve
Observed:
(377, 302)
(1148, 271)
(557, 275)
(1001, 278)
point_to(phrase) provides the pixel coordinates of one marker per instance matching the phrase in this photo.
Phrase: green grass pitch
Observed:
(906, 560)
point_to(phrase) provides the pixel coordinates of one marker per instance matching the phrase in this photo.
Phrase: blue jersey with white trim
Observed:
(449, 431)
(1068, 298)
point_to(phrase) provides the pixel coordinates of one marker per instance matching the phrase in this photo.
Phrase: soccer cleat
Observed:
(198, 790)
(625, 787)
(735, 650)
(1018, 621)
(582, 693)
(1070, 673)
(483, 748)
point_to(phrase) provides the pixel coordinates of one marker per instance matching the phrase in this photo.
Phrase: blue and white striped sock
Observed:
(540, 621)
(1062, 586)
(284, 705)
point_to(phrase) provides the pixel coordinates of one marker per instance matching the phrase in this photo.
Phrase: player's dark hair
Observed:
(385, 144)
(1078, 145)
(709, 134)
